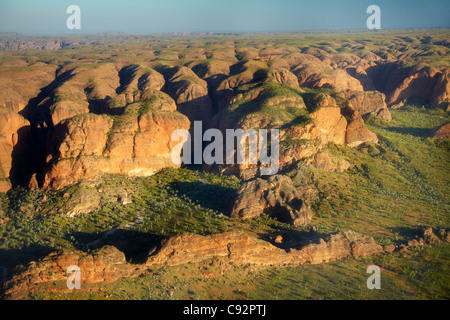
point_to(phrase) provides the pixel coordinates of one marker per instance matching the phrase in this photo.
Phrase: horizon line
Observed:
(321, 30)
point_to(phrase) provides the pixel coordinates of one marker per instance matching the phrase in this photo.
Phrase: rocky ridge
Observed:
(108, 264)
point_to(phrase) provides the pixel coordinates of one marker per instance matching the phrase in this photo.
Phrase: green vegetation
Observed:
(36, 220)
(173, 201)
(279, 104)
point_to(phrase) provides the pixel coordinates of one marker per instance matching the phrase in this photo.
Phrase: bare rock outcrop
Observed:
(417, 84)
(276, 197)
(137, 143)
(101, 88)
(108, 264)
(423, 236)
(368, 102)
(14, 148)
(84, 199)
(307, 121)
(423, 85)
(442, 132)
(77, 89)
(189, 92)
(209, 68)
(136, 80)
(321, 75)
(337, 246)
(356, 132)
(75, 149)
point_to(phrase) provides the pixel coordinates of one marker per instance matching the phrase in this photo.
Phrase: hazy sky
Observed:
(151, 16)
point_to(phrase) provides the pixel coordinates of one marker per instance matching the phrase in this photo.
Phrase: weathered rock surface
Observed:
(368, 102)
(356, 132)
(442, 132)
(416, 84)
(210, 68)
(89, 145)
(430, 236)
(276, 197)
(75, 149)
(328, 119)
(20, 82)
(321, 75)
(14, 147)
(238, 247)
(108, 264)
(77, 89)
(5, 185)
(83, 200)
(189, 92)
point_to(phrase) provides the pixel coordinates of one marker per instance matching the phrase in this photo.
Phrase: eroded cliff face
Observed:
(189, 92)
(88, 117)
(136, 143)
(307, 121)
(15, 148)
(90, 120)
(416, 84)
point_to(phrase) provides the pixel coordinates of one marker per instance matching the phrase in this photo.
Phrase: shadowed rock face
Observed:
(415, 84)
(320, 75)
(107, 265)
(189, 92)
(15, 150)
(276, 197)
(324, 161)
